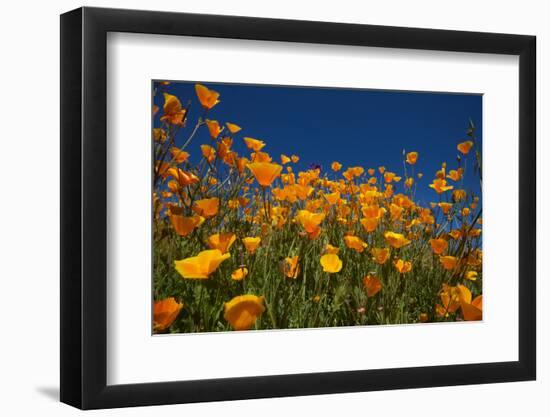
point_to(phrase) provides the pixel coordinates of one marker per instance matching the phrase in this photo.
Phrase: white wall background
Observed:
(29, 213)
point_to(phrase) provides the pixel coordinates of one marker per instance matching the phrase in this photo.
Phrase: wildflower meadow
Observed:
(248, 239)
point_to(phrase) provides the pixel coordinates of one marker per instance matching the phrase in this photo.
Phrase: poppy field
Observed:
(246, 238)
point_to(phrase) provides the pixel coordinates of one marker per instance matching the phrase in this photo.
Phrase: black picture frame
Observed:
(84, 207)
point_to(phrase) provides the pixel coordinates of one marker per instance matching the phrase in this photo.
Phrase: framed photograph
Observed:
(258, 208)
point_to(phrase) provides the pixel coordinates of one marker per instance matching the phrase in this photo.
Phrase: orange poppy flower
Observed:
(440, 185)
(251, 244)
(294, 158)
(159, 135)
(214, 128)
(285, 159)
(372, 285)
(239, 274)
(332, 198)
(178, 155)
(459, 195)
(202, 265)
(208, 98)
(336, 166)
(395, 212)
(455, 234)
(208, 152)
(455, 174)
(472, 310)
(331, 263)
(260, 157)
(221, 241)
(254, 144)
(173, 112)
(265, 172)
(465, 147)
(370, 223)
(412, 157)
(448, 262)
(402, 266)
(439, 245)
(291, 267)
(470, 275)
(353, 242)
(185, 225)
(207, 207)
(165, 313)
(233, 128)
(380, 255)
(397, 240)
(243, 311)
(310, 221)
(183, 178)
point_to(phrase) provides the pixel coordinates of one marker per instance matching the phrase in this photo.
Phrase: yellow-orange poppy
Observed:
(465, 147)
(370, 223)
(265, 172)
(254, 144)
(202, 265)
(239, 274)
(285, 159)
(459, 195)
(260, 157)
(336, 166)
(291, 267)
(208, 152)
(214, 128)
(232, 127)
(207, 207)
(182, 177)
(471, 275)
(243, 311)
(159, 135)
(251, 244)
(448, 262)
(440, 185)
(208, 98)
(331, 263)
(173, 112)
(165, 313)
(221, 241)
(397, 240)
(380, 255)
(355, 243)
(185, 225)
(310, 221)
(372, 285)
(471, 310)
(455, 174)
(402, 266)
(439, 245)
(178, 155)
(333, 198)
(412, 157)
(395, 212)
(294, 158)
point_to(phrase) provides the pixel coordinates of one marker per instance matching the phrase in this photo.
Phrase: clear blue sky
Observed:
(353, 126)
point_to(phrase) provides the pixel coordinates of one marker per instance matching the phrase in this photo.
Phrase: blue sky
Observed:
(353, 126)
